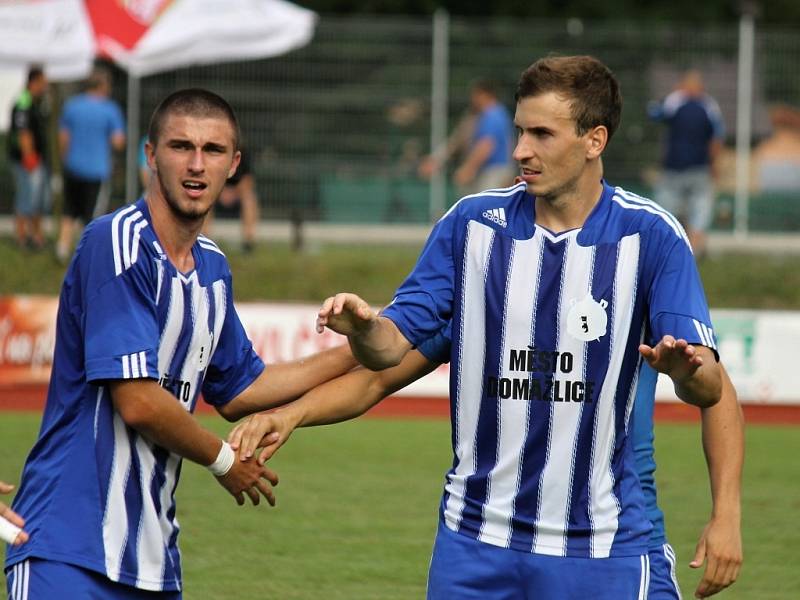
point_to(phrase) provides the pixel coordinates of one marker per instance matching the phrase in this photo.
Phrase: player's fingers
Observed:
(6, 488)
(11, 516)
(709, 585)
(646, 351)
(699, 554)
(267, 492)
(255, 498)
(270, 449)
(235, 436)
(239, 498)
(22, 537)
(269, 475)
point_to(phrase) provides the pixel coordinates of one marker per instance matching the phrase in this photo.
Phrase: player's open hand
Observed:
(251, 478)
(720, 547)
(676, 358)
(11, 516)
(267, 430)
(345, 313)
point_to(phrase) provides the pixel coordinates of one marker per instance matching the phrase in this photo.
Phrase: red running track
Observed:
(31, 398)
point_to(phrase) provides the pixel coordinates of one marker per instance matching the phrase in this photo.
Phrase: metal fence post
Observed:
(439, 102)
(744, 120)
(132, 145)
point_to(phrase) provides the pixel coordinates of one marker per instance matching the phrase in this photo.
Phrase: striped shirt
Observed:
(96, 493)
(544, 362)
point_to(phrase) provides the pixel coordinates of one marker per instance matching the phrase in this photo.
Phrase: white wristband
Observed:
(8, 531)
(224, 460)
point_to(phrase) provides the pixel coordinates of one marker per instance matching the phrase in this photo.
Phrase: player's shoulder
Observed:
(631, 213)
(474, 206)
(120, 239)
(212, 255)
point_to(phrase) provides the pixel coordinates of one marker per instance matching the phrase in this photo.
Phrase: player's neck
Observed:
(569, 208)
(175, 236)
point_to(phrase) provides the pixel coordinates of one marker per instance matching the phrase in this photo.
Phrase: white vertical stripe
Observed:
(160, 270)
(701, 331)
(168, 527)
(134, 365)
(26, 576)
(646, 590)
(15, 586)
(220, 308)
(143, 363)
(669, 554)
(126, 238)
(200, 341)
(115, 237)
(172, 327)
(136, 235)
(556, 478)
(642, 595)
(469, 385)
(97, 408)
(709, 335)
(150, 544)
(126, 368)
(115, 519)
(603, 505)
(512, 415)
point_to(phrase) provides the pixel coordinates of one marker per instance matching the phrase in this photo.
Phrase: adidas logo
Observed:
(496, 215)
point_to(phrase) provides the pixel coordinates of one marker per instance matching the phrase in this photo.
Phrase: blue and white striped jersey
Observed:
(94, 492)
(437, 349)
(544, 362)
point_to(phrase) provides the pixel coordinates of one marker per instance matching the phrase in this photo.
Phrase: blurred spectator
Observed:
(27, 148)
(694, 139)
(238, 200)
(488, 162)
(91, 127)
(777, 158)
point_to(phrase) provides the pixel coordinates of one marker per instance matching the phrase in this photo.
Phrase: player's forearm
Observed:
(723, 444)
(704, 386)
(283, 382)
(380, 346)
(479, 155)
(158, 416)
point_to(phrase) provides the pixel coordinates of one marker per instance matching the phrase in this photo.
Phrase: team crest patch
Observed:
(587, 319)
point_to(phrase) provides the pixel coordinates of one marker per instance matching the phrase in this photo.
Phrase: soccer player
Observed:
(146, 322)
(720, 545)
(557, 288)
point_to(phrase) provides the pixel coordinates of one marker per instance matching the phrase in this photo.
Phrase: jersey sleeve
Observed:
(22, 118)
(677, 301)
(423, 304)
(437, 347)
(234, 364)
(119, 314)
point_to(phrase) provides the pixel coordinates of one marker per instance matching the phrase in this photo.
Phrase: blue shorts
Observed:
(36, 579)
(31, 190)
(663, 583)
(464, 568)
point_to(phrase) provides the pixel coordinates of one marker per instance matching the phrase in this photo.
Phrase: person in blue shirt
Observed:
(146, 323)
(557, 289)
(488, 134)
(90, 129)
(695, 134)
(719, 546)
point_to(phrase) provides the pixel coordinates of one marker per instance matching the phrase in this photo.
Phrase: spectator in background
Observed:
(27, 149)
(238, 200)
(91, 127)
(488, 162)
(694, 139)
(777, 158)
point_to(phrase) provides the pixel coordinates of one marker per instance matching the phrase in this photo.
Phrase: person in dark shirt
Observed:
(695, 132)
(27, 147)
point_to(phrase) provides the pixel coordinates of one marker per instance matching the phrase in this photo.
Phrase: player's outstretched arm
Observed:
(340, 399)
(149, 409)
(11, 523)
(280, 383)
(720, 544)
(693, 369)
(375, 341)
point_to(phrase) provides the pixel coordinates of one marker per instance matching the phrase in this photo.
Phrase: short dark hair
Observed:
(35, 72)
(590, 86)
(99, 77)
(487, 86)
(195, 102)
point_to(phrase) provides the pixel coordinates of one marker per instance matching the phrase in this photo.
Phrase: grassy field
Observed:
(274, 272)
(357, 509)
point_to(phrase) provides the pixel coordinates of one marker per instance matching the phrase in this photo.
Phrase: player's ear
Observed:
(596, 140)
(237, 157)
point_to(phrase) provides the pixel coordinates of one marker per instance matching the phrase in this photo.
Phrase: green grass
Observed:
(273, 272)
(357, 507)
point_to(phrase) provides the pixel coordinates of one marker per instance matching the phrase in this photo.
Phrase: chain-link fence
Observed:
(335, 131)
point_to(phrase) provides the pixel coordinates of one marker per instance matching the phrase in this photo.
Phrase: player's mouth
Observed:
(194, 188)
(529, 175)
